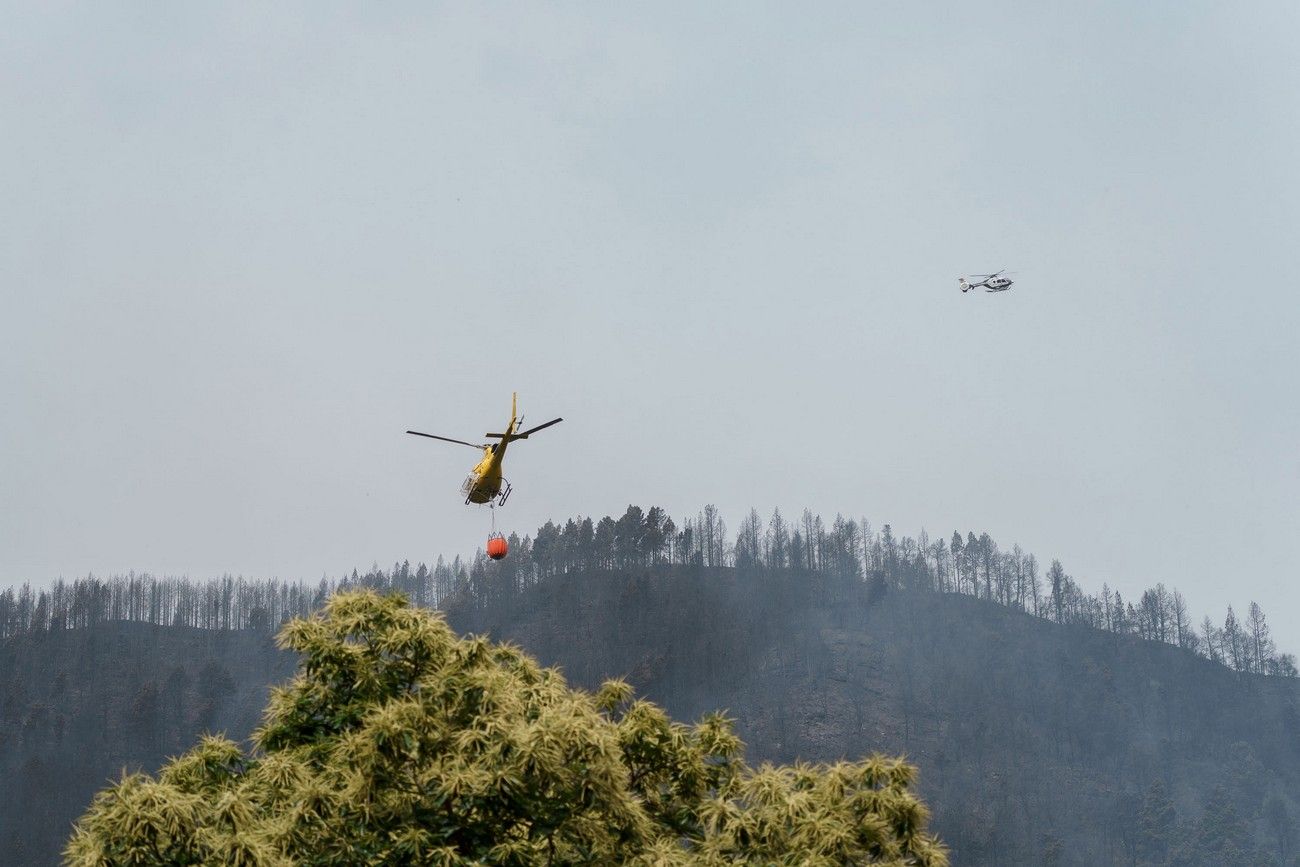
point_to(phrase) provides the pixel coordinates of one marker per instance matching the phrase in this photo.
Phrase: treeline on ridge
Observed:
(972, 565)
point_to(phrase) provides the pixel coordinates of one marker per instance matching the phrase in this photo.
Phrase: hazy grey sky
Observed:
(244, 247)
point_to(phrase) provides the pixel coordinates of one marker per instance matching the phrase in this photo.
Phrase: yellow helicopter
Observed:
(485, 484)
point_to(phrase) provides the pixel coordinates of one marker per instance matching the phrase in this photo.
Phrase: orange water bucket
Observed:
(496, 547)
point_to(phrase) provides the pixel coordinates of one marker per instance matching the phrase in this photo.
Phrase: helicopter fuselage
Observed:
(990, 283)
(484, 481)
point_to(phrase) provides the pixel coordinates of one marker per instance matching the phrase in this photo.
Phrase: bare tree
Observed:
(1261, 644)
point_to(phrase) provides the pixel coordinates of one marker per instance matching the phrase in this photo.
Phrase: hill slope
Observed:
(1034, 740)
(1037, 743)
(79, 706)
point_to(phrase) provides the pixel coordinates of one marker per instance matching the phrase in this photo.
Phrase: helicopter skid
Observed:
(478, 497)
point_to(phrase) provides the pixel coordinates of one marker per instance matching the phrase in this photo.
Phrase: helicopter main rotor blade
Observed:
(524, 434)
(533, 430)
(446, 439)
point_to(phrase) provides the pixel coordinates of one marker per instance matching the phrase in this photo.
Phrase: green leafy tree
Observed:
(399, 743)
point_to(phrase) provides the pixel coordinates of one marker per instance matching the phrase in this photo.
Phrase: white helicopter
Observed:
(991, 282)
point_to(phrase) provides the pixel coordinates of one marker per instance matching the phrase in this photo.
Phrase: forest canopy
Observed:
(398, 742)
(844, 548)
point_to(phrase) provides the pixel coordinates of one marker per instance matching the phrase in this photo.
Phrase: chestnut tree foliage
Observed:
(400, 743)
